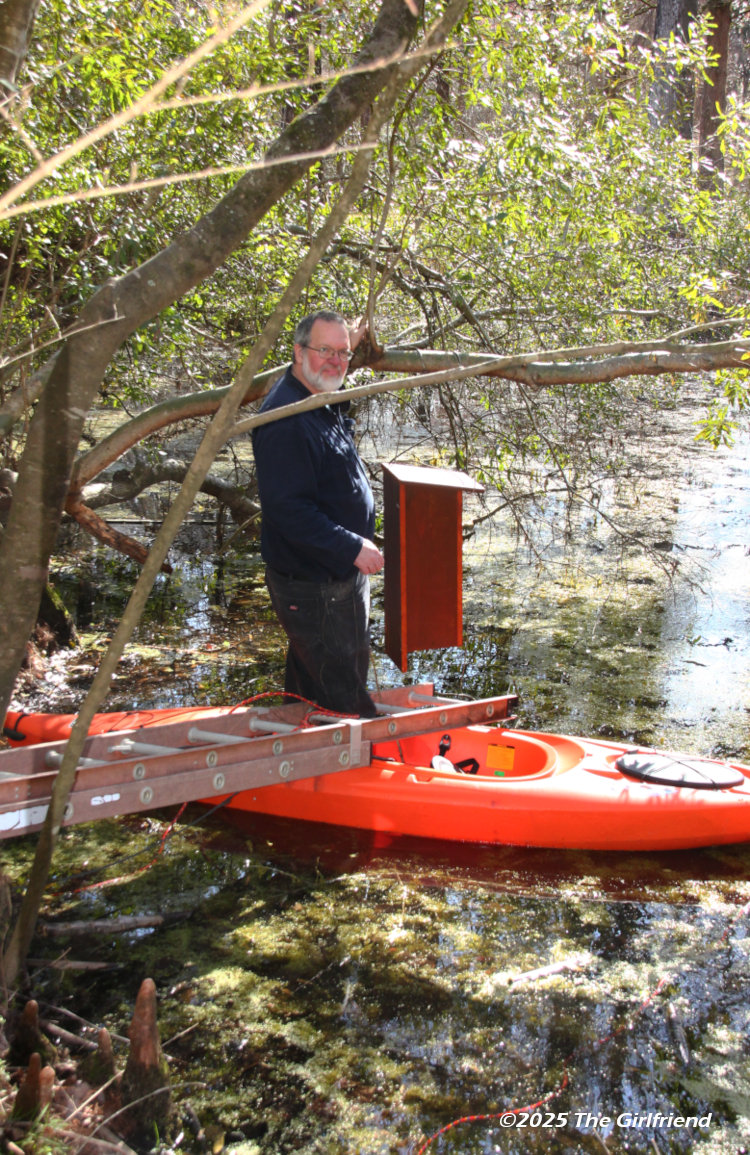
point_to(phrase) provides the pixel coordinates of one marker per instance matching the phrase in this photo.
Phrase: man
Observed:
(318, 523)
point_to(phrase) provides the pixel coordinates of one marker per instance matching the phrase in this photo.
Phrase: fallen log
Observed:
(67, 964)
(59, 1034)
(107, 925)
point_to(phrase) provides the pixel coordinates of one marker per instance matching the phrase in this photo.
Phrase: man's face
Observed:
(323, 372)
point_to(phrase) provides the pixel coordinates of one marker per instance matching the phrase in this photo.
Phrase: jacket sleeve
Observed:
(288, 470)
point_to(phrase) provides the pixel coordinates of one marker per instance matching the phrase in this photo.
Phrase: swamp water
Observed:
(328, 992)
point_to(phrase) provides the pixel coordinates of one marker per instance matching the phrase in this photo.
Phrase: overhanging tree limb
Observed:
(140, 295)
(541, 368)
(212, 441)
(624, 360)
(534, 373)
(581, 366)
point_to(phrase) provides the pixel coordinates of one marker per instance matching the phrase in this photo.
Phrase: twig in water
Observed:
(571, 964)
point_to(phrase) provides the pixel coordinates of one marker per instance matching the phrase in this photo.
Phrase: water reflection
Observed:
(605, 643)
(340, 992)
(674, 876)
(708, 635)
(336, 992)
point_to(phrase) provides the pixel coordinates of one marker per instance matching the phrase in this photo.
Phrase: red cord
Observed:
(133, 873)
(498, 1114)
(564, 1081)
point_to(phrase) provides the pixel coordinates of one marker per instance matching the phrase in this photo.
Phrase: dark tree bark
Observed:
(16, 22)
(229, 496)
(672, 93)
(711, 92)
(122, 305)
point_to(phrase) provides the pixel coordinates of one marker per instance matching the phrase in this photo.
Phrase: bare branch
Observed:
(110, 536)
(537, 370)
(99, 193)
(201, 404)
(170, 77)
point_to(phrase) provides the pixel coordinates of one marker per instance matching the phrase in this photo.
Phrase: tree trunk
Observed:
(215, 436)
(41, 489)
(16, 21)
(671, 96)
(711, 92)
(138, 296)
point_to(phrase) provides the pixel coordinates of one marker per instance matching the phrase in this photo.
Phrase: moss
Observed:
(339, 998)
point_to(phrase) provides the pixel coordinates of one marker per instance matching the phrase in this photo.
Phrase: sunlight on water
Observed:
(708, 635)
(328, 992)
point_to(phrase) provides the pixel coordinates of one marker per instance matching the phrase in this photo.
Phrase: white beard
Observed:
(320, 381)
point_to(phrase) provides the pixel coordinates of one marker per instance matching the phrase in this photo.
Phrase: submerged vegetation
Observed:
(342, 999)
(562, 185)
(321, 991)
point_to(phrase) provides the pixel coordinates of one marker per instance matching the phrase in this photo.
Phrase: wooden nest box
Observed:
(423, 549)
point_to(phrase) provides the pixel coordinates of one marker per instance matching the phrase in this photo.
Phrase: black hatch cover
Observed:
(679, 770)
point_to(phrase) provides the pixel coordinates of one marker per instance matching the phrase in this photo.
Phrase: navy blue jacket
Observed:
(316, 500)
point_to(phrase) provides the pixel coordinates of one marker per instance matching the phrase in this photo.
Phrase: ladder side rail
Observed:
(131, 784)
(167, 782)
(175, 736)
(26, 760)
(28, 763)
(483, 711)
(117, 757)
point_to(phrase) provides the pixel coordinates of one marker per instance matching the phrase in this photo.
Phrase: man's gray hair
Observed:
(304, 328)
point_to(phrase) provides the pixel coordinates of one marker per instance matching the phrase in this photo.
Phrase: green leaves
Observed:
(522, 197)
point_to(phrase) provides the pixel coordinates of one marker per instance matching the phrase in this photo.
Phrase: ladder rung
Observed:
(267, 727)
(53, 760)
(434, 700)
(213, 737)
(130, 746)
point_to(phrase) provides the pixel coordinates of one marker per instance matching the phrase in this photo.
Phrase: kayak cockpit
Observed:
(481, 752)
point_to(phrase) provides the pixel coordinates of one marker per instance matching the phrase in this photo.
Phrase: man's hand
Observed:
(357, 331)
(369, 559)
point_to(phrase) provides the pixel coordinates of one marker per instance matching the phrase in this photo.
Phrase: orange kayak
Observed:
(22, 729)
(477, 783)
(528, 789)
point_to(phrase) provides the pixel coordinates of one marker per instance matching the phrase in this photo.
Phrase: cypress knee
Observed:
(144, 1088)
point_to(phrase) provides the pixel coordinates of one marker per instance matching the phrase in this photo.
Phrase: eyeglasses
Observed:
(328, 353)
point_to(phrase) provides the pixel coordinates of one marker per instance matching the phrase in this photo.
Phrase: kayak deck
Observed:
(201, 753)
(548, 791)
(425, 767)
